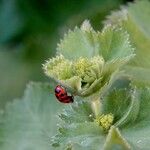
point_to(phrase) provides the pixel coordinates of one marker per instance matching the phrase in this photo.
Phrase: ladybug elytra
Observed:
(62, 95)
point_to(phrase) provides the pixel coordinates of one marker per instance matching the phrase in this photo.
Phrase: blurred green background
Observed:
(30, 31)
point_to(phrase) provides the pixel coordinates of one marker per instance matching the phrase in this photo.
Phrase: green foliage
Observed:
(126, 103)
(30, 122)
(114, 43)
(110, 109)
(138, 133)
(79, 125)
(130, 113)
(135, 19)
(29, 31)
(90, 58)
(79, 43)
(78, 128)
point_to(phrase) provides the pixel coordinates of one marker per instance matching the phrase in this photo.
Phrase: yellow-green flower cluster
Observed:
(88, 69)
(59, 68)
(105, 121)
(84, 69)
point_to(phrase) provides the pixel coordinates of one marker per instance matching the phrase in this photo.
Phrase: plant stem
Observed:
(96, 105)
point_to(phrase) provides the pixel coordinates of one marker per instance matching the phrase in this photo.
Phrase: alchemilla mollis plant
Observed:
(107, 73)
(89, 64)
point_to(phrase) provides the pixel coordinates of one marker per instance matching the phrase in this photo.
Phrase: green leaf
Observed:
(78, 128)
(125, 100)
(138, 133)
(114, 43)
(131, 113)
(87, 135)
(29, 123)
(138, 27)
(141, 19)
(79, 112)
(135, 19)
(80, 42)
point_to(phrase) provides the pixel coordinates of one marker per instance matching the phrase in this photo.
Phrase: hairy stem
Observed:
(96, 105)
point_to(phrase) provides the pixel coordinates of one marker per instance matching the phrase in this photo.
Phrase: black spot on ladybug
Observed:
(62, 95)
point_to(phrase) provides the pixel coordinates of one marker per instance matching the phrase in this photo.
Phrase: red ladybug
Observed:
(62, 96)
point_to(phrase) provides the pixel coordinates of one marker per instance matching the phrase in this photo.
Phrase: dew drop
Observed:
(90, 115)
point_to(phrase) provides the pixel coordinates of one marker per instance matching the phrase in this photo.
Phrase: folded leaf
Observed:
(138, 133)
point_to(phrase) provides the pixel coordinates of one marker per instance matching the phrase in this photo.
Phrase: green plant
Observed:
(110, 83)
(29, 32)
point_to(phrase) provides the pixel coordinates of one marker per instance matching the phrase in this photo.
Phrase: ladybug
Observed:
(62, 96)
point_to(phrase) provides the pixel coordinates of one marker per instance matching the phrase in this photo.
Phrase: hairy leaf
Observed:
(114, 43)
(78, 128)
(80, 42)
(135, 19)
(138, 133)
(29, 123)
(125, 100)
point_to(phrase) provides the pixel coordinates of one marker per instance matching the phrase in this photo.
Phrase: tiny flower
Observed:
(105, 121)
